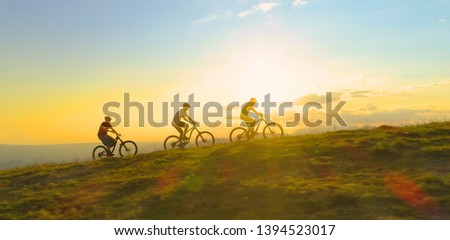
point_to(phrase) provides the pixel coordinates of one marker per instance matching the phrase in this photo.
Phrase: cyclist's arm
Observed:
(112, 130)
(188, 119)
(254, 110)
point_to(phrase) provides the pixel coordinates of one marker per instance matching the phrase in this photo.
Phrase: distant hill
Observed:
(400, 173)
(12, 156)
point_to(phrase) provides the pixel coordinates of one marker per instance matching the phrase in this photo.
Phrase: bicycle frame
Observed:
(270, 130)
(117, 139)
(191, 131)
(258, 122)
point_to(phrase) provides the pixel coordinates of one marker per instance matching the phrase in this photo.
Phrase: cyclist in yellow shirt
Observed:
(246, 109)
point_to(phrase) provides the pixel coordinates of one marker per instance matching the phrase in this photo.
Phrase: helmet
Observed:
(107, 118)
(186, 105)
(253, 100)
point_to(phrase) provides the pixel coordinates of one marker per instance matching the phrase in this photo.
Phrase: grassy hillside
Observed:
(365, 174)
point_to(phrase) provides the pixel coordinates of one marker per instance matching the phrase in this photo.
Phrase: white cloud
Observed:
(206, 19)
(300, 2)
(442, 20)
(243, 14)
(264, 7)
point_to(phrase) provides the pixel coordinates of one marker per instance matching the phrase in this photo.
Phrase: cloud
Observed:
(412, 88)
(360, 112)
(361, 92)
(442, 20)
(445, 82)
(243, 14)
(371, 115)
(358, 96)
(342, 95)
(349, 94)
(264, 7)
(319, 98)
(369, 108)
(207, 19)
(300, 2)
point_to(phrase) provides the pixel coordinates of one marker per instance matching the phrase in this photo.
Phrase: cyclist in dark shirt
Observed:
(180, 125)
(102, 134)
(246, 109)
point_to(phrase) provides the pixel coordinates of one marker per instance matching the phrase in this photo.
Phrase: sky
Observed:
(61, 61)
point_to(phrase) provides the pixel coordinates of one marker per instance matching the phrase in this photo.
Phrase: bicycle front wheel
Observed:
(128, 148)
(205, 139)
(238, 134)
(273, 130)
(99, 152)
(172, 142)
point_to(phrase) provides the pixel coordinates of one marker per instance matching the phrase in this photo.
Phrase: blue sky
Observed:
(67, 58)
(413, 34)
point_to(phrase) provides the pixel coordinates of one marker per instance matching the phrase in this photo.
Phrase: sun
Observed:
(258, 70)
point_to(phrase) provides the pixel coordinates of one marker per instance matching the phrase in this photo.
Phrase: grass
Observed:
(399, 173)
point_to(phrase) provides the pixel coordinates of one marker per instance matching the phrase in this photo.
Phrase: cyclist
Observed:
(178, 124)
(102, 134)
(246, 109)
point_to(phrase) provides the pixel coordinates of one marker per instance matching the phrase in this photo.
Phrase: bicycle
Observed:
(271, 130)
(126, 148)
(204, 138)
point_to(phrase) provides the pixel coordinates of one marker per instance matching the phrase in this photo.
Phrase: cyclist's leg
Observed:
(249, 120)
(183, 139)
(109, 142)
(186, 127)
(178, 128)
(112, 142)
(251, 128)
(250, 123)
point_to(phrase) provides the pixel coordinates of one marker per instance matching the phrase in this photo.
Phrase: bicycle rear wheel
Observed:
(99, 152)
(128, 148)
(273, 130)
(238, 134)
(172, 142)
(204, 139)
